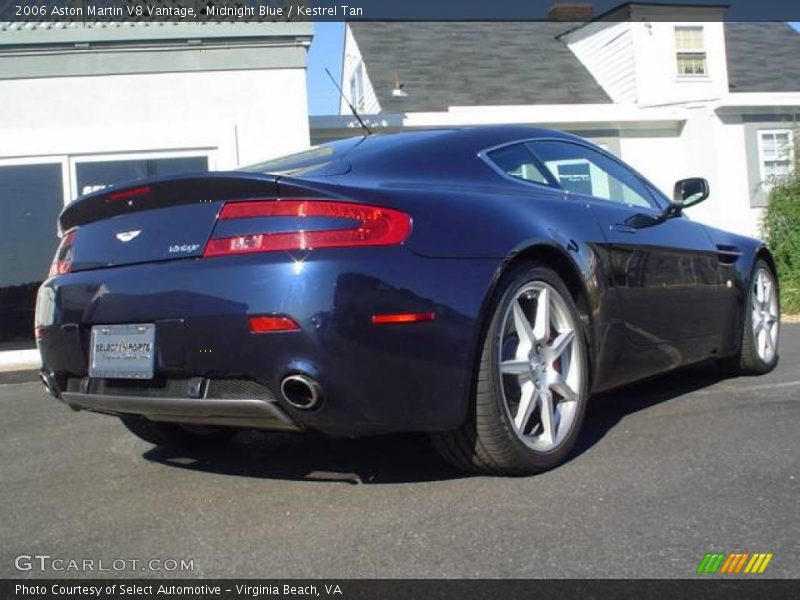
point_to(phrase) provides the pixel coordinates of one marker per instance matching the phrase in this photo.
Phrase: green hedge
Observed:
(782, 233)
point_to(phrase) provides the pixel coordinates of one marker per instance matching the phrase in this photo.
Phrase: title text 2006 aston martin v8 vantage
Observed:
(478, 284)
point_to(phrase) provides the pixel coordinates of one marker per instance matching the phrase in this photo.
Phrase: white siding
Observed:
(718, 149)
(657, 78)
(656, 155)
(606, 49)
(635, 61)
(236, 116)
(705, 147)
(352, 61)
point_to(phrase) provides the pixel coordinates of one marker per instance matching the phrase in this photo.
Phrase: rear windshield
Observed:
(312, 159)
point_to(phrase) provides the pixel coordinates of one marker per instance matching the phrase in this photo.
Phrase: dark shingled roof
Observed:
(763, 57)
(473, 64)
(479, 64)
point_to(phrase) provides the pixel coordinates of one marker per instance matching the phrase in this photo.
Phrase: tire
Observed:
(753, 357)
(177, 437)
(499, 436)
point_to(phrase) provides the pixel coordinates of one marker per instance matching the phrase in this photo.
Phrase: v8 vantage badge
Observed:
(183, 248)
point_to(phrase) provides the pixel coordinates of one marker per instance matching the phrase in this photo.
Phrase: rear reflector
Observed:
(268, 324)
(62, 262)
(402, 318)
(376, 226)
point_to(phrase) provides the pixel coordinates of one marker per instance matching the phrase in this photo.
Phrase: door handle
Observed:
(623, 228)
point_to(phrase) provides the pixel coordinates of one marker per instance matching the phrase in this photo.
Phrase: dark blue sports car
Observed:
(479, 284)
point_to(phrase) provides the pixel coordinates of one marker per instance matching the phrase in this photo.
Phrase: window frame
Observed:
(767, 187)
(556, 185)
(701, 51)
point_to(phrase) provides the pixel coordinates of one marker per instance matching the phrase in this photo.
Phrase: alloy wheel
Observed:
(765, 319)
(541, 366)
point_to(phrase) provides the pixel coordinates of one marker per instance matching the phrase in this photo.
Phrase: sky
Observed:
(327, 50)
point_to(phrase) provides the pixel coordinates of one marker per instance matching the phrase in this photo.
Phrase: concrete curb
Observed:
(28, 376)
(20, 360)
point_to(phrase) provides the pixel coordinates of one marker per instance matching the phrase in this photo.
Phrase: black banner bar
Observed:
(388, 589)
(203, 11)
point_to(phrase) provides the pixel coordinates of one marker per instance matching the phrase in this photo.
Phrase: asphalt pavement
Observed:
(665, 472)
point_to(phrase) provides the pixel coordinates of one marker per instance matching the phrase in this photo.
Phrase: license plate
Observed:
(122, 351)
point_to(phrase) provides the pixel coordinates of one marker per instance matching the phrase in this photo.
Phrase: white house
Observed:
(86, 105)
(699, 98)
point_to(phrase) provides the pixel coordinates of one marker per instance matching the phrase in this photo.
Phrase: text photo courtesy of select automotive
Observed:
(297, 298)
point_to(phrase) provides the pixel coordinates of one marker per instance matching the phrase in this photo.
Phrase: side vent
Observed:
(728, 255)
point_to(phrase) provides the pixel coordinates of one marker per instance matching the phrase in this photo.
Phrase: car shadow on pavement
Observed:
(606, 410)
(400, 458)
(405, 458)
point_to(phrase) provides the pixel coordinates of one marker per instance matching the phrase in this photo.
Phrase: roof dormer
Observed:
(641, 57)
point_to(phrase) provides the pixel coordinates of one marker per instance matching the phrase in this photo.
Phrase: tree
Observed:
(781, 226)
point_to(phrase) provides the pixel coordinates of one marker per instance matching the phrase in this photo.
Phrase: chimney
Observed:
(571, 11)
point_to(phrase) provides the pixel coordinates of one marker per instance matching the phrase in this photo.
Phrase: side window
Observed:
(691, 51)
(517, 161)
(582, 170)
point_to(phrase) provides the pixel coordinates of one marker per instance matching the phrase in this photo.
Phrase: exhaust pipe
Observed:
(49, 384)
(301, 391)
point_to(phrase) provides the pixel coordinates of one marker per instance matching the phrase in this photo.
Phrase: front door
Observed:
(663, 270)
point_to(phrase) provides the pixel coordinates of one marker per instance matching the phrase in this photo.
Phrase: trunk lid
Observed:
(155, 220)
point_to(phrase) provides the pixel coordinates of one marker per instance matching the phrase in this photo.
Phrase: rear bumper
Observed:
(196, 400)
(375, 378)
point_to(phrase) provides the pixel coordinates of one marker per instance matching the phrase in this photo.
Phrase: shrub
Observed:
(781, 224)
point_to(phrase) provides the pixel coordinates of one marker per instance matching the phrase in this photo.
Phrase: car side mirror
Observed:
(689, 192)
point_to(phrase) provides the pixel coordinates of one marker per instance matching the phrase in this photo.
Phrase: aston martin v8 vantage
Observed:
(478, 284)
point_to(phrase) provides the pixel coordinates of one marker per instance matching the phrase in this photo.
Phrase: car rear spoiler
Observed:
(147, 194)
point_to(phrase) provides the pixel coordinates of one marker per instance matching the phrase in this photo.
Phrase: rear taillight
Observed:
(62, 262)
(373, 226)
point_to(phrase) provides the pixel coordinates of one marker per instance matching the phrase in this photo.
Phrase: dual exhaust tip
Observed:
(301, 391)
